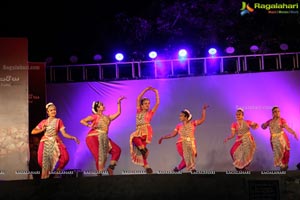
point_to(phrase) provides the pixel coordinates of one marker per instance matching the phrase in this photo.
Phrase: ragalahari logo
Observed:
(246, 9)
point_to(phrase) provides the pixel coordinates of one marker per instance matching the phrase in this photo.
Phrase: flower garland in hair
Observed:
(190, 115)
(93, 106)
(49, 104)
(240, 109)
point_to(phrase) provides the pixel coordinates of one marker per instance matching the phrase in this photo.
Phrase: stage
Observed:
(201, 185)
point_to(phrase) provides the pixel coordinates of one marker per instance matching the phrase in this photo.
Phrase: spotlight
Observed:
(230, 50)
(284, 47)
(152, 55)
(212, 51)
(254, 48)
(97, 57)
(119, 57)
(182, 53)
(73, 59)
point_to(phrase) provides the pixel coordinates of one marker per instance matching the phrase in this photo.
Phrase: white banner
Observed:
(14, 150)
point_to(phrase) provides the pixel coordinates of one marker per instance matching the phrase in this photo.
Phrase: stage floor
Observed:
(212, 185)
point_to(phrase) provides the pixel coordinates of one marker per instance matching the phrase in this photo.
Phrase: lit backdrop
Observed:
(256, 93)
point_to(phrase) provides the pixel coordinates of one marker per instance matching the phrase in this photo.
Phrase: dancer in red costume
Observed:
(97, 139)
(143, 134)
(243, 149)
(186, 143)
(279, 141)
(52, 153)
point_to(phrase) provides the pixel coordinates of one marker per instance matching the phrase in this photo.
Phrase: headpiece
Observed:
(49, 104)
(189, 114)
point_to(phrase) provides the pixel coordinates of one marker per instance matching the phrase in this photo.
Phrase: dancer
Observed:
(97, 138)
(186, 143)
(243, 149)
(279, 141)
(51, 151)
(143, 133)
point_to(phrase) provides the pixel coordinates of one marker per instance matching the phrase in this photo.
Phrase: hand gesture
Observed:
(296, 136)
(254, 126)
(44, 127)
(160, 140)
(205, 106)
(121, 98)
(76, 140)
(149, 88)
(92, 126)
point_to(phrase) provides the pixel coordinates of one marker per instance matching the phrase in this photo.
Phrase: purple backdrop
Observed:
(257, 93)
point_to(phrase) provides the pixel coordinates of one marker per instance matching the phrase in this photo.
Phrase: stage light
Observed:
(119, 57)
(212, 51)
(284, 47)
(182, 53)
(97, 57)
(73, 59)
(229, 50)
(254, 48)
(152, 55)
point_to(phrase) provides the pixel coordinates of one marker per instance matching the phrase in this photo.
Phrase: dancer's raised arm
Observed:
(117, 114)
(157, 100)
(140, 96)
(203, 115)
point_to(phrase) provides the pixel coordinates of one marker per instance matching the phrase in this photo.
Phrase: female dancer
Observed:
(279, 141)
(52, 152)
(143, 134)
(186, 143)
(243, 149)
(97, 139)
